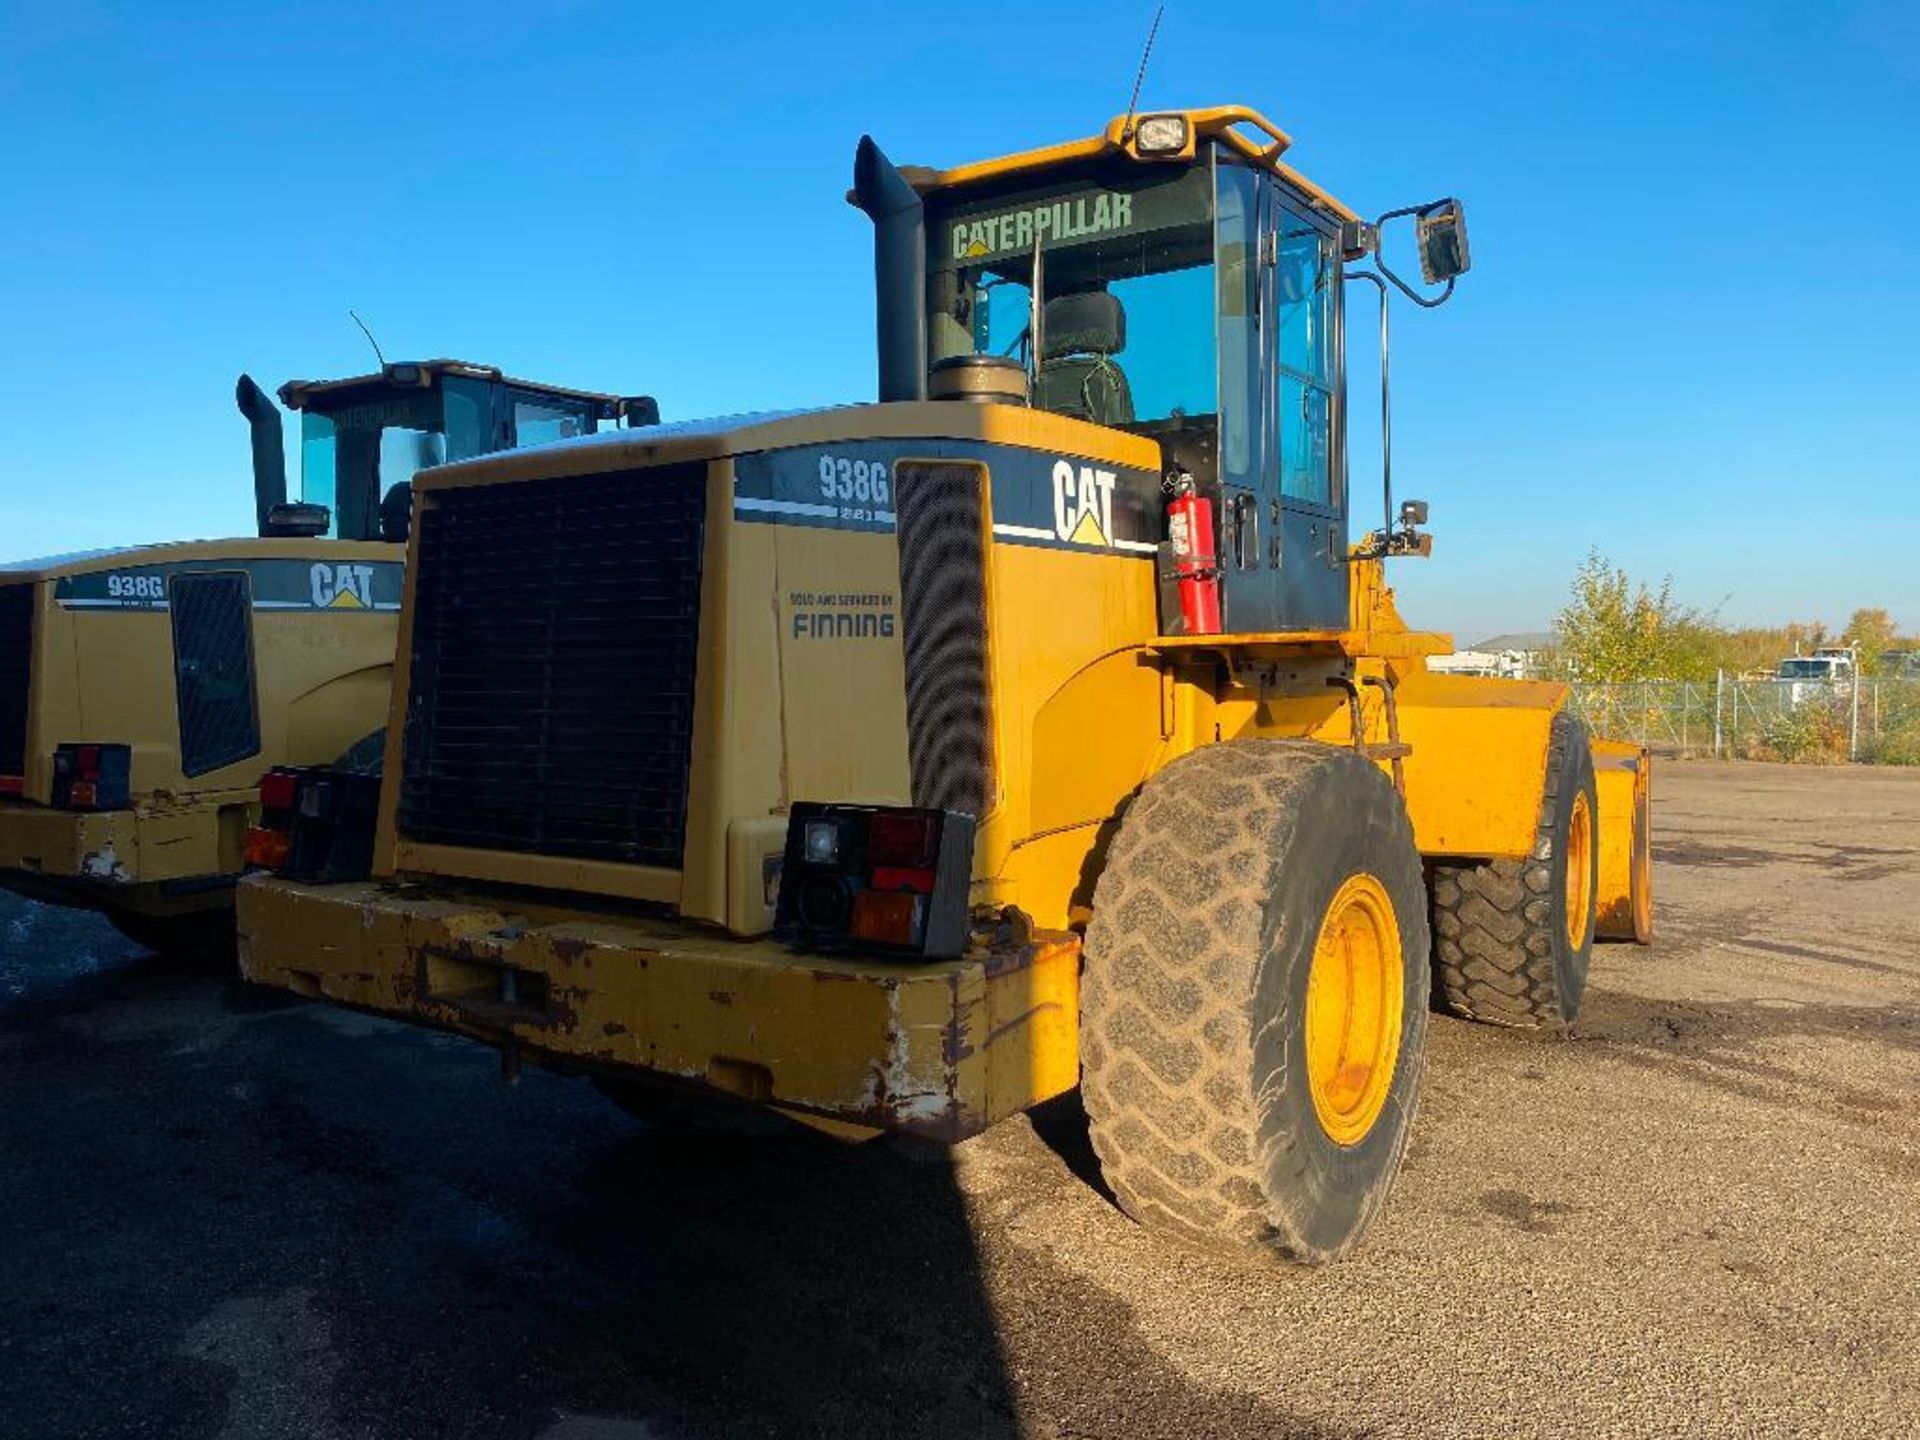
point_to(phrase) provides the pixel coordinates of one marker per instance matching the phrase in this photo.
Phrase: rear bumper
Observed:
(114, 848)
(941, 1050)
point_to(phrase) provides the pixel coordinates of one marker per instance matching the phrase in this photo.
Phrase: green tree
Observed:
(1614, 629)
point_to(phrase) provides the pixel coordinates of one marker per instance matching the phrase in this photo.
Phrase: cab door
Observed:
(1282, 518)
(1303, 387)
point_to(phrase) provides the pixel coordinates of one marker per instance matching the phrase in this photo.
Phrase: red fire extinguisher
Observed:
(1196, 564)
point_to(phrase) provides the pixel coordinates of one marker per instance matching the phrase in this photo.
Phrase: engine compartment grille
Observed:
(16, 671)
(214, 684)
(550, 694)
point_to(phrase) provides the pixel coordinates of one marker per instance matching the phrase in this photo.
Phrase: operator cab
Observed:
(1171, 279)
(362, 438)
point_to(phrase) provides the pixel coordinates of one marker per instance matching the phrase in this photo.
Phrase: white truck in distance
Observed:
(1828, 671)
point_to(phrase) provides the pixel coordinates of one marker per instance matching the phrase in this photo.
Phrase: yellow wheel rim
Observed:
(1579, 870)
(1355, 995)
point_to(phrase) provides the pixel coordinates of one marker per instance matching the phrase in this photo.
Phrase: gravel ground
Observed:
(225, 1212)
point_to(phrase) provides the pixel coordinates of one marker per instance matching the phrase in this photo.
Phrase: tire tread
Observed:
(1166, 1031)
(1493, 923)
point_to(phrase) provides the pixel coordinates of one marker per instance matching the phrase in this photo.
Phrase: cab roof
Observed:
(422, 375)
(1240, 129)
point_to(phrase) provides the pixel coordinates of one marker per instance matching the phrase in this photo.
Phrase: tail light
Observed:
(278, 790)
(267, 848)
(883, 879)
(93, 777)
(316, 823)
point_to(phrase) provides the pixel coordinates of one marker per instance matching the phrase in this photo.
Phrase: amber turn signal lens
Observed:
(268, 849)
(886, 917)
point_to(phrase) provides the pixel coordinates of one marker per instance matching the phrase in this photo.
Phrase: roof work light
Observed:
(1160, 135)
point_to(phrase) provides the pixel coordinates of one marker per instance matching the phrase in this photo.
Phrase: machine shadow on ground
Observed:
(251, 1215)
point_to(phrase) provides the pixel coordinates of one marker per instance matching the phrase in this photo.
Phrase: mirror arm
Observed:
(1405, 210)
(1425, 302)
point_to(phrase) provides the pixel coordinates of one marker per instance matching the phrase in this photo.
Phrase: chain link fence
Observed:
(1803, 721)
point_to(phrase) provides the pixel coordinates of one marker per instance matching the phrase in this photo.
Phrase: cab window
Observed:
(1306, 291)
(350, 451)
(536, 422)
(1123, 331)
(317, 454)
(404, 450)
(467, 406)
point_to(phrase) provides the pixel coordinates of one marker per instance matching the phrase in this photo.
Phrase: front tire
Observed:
(1513, 938)
(1253, 1008)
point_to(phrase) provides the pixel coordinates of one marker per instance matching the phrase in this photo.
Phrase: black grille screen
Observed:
(16, 668)
(943, 621)
(213, 669)
(550, 699)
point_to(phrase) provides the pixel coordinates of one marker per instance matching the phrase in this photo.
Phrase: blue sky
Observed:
(1688, 338)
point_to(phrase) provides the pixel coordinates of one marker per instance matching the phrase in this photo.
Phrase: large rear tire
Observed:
(1253, 1008)
(1512, 939)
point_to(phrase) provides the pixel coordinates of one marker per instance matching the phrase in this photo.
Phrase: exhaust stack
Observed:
(899, 261)
(269, 452)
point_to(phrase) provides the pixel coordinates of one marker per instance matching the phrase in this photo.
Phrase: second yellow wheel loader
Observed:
(144, 691)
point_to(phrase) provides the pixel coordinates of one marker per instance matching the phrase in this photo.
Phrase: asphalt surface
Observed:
(224, 1212)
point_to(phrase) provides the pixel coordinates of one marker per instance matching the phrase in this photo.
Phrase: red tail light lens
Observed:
(277, 789)
(901, 840)
(896, 877)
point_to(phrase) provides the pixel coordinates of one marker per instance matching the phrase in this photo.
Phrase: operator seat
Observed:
(396, 512)
(1079, 336)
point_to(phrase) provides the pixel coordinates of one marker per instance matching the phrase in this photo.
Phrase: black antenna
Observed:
(370, 340)
(1126, 130)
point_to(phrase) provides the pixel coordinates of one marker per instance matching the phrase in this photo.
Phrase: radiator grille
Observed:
(16, 671)
(550, 696)
(943, 616)
(213, 681)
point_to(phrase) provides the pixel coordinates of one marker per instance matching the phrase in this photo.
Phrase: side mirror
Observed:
(640, 410)
(1441, 232)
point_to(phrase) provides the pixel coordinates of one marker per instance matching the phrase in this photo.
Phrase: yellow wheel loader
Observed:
(901, 766)
(144, 691)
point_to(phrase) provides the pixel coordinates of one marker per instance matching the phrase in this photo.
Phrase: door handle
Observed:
(1246, 532)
